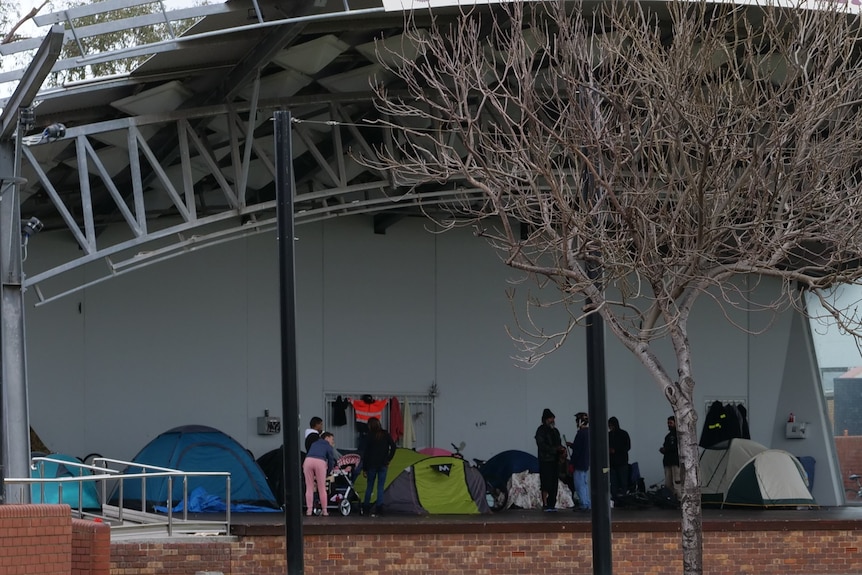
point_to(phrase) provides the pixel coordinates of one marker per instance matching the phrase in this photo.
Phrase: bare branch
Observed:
(682, 149)
(10, 36)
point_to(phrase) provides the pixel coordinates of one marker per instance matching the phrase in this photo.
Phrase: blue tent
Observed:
(198, 448)
(50, 492)
(499, 468)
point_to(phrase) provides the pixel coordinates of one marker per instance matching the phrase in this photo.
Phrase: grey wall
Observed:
(196, 340)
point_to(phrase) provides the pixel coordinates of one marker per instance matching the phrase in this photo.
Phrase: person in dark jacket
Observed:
(378, 452)
(619, 445)
(318, 464)
(312, 434)
(551, 455)
(670, 458)
(581, 460)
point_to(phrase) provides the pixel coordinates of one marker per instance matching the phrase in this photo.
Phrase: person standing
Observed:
(550, 454)
(312, 434)
(317, 466)
(379, 451)
(670, 459)
(581, 461)
(619, 445)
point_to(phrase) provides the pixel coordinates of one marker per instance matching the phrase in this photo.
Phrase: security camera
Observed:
(53, 132)
(32, 226)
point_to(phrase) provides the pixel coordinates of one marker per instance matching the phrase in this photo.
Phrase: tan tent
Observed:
(747, 474)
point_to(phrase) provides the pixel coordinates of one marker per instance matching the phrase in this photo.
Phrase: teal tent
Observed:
(87, 495)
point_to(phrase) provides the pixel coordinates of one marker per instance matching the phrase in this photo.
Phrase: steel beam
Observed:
(31, 81)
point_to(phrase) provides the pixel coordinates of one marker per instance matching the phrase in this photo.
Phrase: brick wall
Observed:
(91, 548)
(36, 540)
(163, 557)
(656, 553)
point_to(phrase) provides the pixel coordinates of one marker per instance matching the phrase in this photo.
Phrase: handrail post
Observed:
(41, 483)
(120, 509)
(185, 497)
(144, 490)
(170, 505)
(227, 510)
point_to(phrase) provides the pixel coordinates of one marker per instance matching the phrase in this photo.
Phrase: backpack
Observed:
(664, 498)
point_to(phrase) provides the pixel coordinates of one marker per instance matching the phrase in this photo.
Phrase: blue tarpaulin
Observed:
(202, 502)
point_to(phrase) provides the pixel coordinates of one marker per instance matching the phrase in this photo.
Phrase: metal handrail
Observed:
(100, 472)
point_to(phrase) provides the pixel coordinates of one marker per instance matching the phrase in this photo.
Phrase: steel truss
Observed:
(204, 217)
(141, 189)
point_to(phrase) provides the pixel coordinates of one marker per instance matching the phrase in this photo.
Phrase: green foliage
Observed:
(112, 41)
(4, 15)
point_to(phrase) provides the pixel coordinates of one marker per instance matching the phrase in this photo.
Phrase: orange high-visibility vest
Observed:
(365, 411)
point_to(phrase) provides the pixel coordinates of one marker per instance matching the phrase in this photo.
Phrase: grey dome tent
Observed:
(744, 473)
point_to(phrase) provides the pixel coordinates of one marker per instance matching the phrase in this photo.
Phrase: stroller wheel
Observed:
(345, 507)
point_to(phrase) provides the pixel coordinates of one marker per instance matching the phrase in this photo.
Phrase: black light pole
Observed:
(597, 402)
(599, 465)
(284, 188)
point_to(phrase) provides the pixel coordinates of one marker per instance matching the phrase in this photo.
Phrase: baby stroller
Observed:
(339, 487)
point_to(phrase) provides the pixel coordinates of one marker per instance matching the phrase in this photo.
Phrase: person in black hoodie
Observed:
(670, 458)
(378, 452)
(551, 454)
(619, 445)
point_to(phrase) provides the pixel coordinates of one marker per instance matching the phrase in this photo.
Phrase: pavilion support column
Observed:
(17, 117)
(15, 410)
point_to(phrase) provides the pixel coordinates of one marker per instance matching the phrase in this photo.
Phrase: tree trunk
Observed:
(692, 513)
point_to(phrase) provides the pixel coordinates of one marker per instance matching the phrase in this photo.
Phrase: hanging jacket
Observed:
(339, 411)
(396, 421)
(364, 410)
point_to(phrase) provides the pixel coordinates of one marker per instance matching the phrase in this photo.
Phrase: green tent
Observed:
(420, 484)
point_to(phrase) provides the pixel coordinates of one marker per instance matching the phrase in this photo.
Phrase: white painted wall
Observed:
(196, 339)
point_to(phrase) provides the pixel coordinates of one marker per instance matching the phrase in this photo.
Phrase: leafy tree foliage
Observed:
(89, 44)
(112, 41)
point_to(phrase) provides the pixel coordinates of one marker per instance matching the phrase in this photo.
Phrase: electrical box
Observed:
(795, 430)
(268, 425)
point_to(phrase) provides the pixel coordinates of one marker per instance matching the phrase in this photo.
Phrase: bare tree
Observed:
(671, 148)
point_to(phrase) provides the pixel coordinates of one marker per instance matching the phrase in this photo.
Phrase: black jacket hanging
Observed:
(339, 411)
(715, 425)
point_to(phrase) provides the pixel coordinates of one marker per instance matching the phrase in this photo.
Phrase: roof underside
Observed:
(163, 149)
